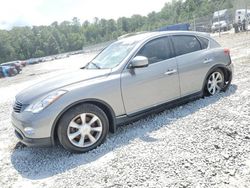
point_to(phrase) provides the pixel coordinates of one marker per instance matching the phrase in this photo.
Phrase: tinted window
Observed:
(156, 50)
(186, 44)
(204, 42)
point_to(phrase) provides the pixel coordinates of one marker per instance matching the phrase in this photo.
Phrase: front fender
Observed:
(103, 105)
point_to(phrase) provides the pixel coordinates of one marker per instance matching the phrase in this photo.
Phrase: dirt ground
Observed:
(205, 143)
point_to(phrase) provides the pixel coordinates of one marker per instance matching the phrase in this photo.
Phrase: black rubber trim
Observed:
(38, 142)
(138, 115)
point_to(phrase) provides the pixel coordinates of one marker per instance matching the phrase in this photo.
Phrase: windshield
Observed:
(112, 56)
(222, 18)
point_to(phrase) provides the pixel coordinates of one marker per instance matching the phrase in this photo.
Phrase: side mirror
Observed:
(139, 62)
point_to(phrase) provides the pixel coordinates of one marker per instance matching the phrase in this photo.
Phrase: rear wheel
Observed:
(83, 128)
(215, 82)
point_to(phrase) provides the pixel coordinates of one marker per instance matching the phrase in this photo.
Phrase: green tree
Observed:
(38, 41)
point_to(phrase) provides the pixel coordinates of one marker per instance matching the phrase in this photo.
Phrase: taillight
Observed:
(227, 51)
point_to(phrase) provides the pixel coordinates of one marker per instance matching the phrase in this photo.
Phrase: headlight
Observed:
(44, 102)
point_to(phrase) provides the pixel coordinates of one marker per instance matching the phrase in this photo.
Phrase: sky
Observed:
(44, 12)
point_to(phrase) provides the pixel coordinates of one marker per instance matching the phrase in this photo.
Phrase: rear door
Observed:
(193, 59)
(146, 87)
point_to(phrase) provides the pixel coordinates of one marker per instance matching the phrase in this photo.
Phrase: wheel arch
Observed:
(99, 103)
(225, 70)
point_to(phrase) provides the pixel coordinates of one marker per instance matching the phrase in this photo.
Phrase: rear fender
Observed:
(227, 73)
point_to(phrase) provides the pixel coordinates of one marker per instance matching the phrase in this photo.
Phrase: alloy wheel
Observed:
(215, 83)
(84, 130)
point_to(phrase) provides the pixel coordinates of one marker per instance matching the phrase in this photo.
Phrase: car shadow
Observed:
(39, 163)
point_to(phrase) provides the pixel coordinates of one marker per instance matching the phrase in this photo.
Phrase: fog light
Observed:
(29, 130)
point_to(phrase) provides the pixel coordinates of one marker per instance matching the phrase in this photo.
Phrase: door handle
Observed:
(170, 72)
(206, 61)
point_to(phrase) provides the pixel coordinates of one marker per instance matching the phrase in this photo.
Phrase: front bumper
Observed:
(32, 141)
(41, 127)
(217, 28)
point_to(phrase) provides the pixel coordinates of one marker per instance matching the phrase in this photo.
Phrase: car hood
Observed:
(42, 88)
(218, 23)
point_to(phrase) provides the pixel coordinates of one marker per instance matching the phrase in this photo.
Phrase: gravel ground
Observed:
(205, 143)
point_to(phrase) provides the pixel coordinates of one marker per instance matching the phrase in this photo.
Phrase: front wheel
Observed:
(83, 128)
(215, 82)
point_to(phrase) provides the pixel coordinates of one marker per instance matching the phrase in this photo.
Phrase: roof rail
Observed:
(131, 34)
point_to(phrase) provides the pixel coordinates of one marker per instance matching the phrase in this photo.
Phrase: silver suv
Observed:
(129, 79)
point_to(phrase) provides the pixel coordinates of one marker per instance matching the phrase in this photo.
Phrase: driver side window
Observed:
(156, 50)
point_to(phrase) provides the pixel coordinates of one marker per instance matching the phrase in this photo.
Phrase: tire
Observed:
(76, 131)
(215, 82)
(12, 72)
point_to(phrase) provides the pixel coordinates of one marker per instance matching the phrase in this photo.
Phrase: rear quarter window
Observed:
(204, 42)
(214, 44)
(184, 44)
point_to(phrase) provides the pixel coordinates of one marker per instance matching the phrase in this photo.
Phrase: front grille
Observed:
(17, 107)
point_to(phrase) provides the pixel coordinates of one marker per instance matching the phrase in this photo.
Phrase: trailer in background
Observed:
(242, 20)
(241, 15)
(176, 27)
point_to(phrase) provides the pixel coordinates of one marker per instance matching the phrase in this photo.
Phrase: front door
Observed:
(150, 86)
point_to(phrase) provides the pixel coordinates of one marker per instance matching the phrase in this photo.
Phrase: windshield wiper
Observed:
(95, 65)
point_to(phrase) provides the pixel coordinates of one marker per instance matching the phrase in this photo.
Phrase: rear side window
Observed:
(156, 50)
(204, 42)
(185, 44)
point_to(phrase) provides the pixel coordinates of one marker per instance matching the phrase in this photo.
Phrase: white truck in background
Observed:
(221, 21)
(241, 15)
(242, 20)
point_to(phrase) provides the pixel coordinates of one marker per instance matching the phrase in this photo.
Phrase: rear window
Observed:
(185, 44)
(204, 42)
